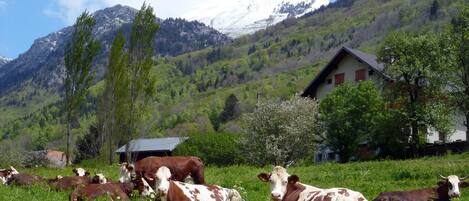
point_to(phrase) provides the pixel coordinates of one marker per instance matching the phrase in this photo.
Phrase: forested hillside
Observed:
(275, 63)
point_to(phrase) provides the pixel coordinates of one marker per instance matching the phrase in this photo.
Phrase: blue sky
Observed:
(23, 21)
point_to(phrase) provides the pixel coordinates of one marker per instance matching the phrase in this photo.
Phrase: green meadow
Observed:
(370, 178)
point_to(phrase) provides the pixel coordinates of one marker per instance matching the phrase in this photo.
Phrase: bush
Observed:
(11, 154)
(213, 148)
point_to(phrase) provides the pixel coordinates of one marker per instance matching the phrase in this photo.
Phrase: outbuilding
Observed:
(142, 148)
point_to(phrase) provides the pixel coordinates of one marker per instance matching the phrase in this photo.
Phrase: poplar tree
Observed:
(141, 81)
(79, 54)
(113, 108)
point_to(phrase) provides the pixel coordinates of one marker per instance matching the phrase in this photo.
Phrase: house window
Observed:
(360, 75)
(339, 78)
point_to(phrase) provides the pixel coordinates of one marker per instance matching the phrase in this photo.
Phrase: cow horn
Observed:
(463, 178)
(443, 177)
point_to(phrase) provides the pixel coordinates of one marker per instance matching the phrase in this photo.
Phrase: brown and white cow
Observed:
(170, 190)
(116, 191)
(285, 187)
(24, 179)
(181, 168)
(447, 188)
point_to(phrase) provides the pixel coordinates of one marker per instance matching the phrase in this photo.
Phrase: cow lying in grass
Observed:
(285, 187)
(178, 191)
(116, 191)
(447, 188)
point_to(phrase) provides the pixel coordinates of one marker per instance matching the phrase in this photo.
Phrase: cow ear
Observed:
(464, 184)
(293, 179)
(264, 177)
(87, 173)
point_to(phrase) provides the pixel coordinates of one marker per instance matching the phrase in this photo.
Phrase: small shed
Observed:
(142, 148)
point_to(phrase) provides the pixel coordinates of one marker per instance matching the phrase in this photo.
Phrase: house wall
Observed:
(349, 65)
(458, 135)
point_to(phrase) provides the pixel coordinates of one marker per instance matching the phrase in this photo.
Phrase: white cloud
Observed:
(68, 10)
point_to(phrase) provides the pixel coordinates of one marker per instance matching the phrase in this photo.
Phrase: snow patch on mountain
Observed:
(4, 60)
(240, 17)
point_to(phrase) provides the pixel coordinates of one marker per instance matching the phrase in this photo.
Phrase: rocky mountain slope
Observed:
(43, 62)
(4, 60)
(239, 17)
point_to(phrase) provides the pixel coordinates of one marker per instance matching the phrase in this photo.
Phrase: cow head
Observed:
(80, 172)
(5, 174)
(163, 176)
(13, 170)
(99, 179)
(453, 182)
(278, 179)
(127, 172)
(146, 189)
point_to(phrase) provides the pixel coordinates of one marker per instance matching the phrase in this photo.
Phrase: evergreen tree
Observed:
(112, 111)
(79, 54)
(141, 80)
(231, 109)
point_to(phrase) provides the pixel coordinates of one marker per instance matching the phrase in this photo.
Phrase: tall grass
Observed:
(370, 178)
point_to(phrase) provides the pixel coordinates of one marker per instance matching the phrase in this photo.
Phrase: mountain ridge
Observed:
(43, 61)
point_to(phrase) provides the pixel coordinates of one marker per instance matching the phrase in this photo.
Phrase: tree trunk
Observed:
(69, 138)
(467, 127)
(111, 151)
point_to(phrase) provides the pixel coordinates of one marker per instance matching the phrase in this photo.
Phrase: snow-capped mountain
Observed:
(4, 60)
(239, 17)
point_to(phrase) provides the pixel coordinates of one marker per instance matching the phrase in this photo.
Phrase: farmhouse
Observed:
(350, 65)
(142, 148)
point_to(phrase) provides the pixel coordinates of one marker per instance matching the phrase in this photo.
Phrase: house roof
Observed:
(155, 144)
(368, 59)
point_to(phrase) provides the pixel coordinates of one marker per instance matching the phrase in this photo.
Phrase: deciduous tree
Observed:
(421, 69)
(280, 132)
(351, 114)
(79, 54)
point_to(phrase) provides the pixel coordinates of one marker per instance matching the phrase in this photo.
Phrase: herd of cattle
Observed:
(182, 179)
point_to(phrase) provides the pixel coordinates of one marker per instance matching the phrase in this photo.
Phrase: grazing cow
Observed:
(178, 191)
(447, 188)
(181, 168)
(285, 187)
(117, 191)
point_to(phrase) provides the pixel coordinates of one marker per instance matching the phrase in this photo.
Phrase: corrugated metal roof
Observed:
(155, 144)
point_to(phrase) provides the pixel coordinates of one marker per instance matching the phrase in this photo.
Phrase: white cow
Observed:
(285, 187)
(176, 191)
